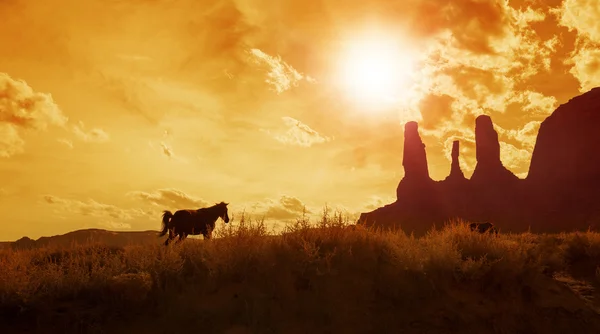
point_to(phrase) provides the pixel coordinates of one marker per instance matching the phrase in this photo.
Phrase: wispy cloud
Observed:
(280, 75)
(65, 142)
(297, 133)
(377, 201)
(284, 208)
(170, 198)
(95, 135)
(133, 57)
(107, 215)
(166, 150)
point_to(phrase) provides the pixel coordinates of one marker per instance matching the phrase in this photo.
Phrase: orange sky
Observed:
(111, 111)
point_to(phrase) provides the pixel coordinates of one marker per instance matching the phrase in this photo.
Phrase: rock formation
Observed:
(416, 191)
(568, 141)
(489, 167)
(456, 173)
(564, 175)
(560, 193)
(414, 160)
(416, 180)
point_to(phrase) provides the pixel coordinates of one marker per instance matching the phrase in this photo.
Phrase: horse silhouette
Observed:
(192, 222)
(483, 228)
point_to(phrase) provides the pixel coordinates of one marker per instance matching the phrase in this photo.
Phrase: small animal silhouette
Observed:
(483, 228)
(192, 222)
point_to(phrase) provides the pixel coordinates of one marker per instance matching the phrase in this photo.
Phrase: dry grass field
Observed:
(314, 278)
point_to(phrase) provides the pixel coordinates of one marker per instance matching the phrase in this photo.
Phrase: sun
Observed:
(375, 69)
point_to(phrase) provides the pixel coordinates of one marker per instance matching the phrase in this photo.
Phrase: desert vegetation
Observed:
(316, 277)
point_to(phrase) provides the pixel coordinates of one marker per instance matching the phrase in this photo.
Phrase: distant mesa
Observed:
(87, 236)
(560, 193)
(24, 243)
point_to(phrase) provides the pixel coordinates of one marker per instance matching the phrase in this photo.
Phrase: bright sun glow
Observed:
(375, 70)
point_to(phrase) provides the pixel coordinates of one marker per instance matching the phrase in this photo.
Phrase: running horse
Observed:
(192, 222)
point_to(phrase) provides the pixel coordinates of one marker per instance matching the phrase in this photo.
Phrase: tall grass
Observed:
(327, 276)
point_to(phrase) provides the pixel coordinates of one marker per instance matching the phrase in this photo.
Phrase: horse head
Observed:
(223, 211)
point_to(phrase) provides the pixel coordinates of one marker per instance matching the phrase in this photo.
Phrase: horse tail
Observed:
(166, 219)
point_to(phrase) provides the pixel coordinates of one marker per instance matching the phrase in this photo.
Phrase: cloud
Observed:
(289, 208)
(473, 57)
(280, 75)
(537, 103)
(285, 208)
(21, 109)
(65, 142)
(116, 225)
(166, 149)
(514, 158)
(208, 39)
(467, 154)
(586, 66)
(376, 202)
(517, 155)
(131, 93)
(298, 134)
(461, 84)
(516, 146)
(434, 109)
(107, 214)
(132, 57)
(94, 135)
(525, 136)
(11, 142)
(170, 198)
(582, 16)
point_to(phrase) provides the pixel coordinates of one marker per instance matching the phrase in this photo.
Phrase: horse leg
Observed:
(169, 240)
(169, 237)
(182, 237)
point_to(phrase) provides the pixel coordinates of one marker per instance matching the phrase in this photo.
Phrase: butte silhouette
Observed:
(560, 193)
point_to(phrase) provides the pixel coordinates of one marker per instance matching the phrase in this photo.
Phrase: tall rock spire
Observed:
(486, 143)
(414, 159)
(489, 166)
(455, 172)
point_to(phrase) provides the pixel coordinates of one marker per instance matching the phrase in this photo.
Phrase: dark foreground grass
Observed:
(324, 279)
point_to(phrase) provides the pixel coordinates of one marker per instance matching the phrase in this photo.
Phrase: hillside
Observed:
(87, 236)
(310, 280)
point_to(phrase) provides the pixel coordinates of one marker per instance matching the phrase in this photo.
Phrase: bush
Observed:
(328, 276)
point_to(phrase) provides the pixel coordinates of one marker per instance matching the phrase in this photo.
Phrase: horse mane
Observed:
(221, 204)
(217, 206)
